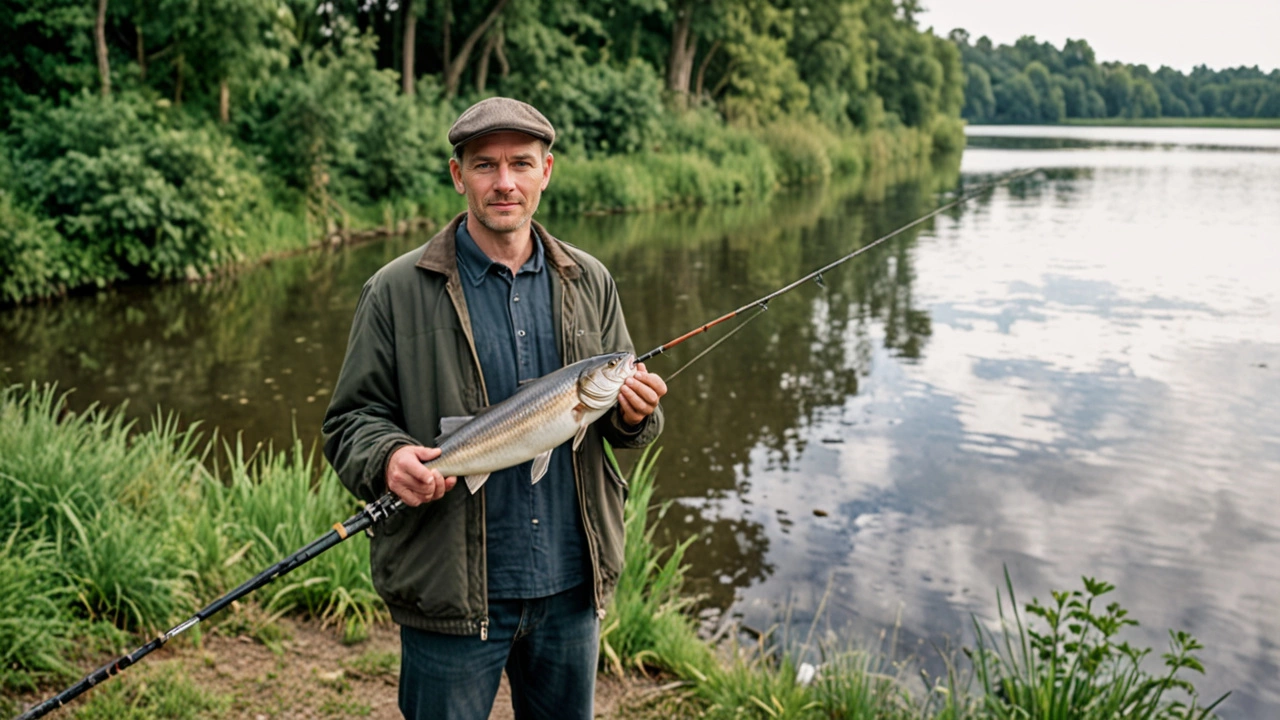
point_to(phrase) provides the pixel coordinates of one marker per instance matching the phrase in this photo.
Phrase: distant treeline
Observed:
(1034, 82)
(161, 139)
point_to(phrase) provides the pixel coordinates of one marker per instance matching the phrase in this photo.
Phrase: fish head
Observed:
(603, 377)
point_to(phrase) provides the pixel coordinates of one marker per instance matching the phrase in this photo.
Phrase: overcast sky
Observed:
(1177, 33)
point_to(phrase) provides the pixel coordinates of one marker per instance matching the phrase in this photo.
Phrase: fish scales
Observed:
(541, 416)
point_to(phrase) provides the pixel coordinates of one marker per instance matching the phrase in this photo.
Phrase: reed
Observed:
(112, 528)
(646, 625)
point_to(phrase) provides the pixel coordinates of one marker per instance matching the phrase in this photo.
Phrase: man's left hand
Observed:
(640, 395)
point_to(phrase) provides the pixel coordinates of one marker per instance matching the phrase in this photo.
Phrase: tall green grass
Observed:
(116, 528)
(646, 625)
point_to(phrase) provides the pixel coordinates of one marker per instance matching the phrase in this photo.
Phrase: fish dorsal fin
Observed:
(449, 425)
(582, 432)
(475, 482)
(540, 465)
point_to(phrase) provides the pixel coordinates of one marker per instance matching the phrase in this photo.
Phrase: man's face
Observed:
(503, 176)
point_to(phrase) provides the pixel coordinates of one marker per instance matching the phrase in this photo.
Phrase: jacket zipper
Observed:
(484, 628)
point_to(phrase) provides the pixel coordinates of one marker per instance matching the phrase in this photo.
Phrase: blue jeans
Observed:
(549, 647)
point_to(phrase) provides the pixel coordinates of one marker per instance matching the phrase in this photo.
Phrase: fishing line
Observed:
(817, 274)
(713, 345)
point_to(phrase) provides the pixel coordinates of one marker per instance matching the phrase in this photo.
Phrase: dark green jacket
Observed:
(410, 361)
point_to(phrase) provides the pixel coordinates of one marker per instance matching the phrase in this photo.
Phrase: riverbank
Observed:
(1201, 122)
(119, 532)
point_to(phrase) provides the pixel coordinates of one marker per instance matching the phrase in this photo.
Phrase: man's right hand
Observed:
(411, 481)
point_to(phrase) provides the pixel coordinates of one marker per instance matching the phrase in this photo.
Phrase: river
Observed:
(1075, 375)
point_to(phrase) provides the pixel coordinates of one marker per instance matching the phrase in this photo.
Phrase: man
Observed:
(518, 575)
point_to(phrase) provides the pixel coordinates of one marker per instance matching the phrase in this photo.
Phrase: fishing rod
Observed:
(763, 302)
(368, 516)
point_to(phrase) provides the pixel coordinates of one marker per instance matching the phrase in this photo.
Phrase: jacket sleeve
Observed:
(364, 422)
(614, 336)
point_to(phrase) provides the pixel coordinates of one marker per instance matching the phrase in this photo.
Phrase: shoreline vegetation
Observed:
(120, 531)
(1161, 122)
(226, 224)
(1195, 122)
(1035, 82)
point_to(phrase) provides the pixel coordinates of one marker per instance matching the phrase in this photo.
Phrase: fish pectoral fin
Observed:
(540, 465)
(449, 425)
(475, 482)
(582, 432)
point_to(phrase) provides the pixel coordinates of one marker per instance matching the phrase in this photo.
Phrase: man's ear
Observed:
(546, 170)
(455, 171)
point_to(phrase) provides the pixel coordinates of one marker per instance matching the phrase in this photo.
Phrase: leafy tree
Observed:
(1017, 100)
(979, 100)
(1118, 91)
(1146, 103)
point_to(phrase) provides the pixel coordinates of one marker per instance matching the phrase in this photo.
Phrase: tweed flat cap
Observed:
(496, 114)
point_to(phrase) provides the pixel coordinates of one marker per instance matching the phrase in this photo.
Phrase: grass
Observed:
(645, 626)
(161, 693)
(117, 531)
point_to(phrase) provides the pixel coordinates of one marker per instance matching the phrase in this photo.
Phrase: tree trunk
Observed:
(453, 72)
(702, 69)
(407, 77)
(142, 53)
(482, 69)
(100, 44)
(683, 47)
(446, 20)
(501, 54)
(224, 102)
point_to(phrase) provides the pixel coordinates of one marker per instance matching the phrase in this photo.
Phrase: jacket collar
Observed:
(441, 252)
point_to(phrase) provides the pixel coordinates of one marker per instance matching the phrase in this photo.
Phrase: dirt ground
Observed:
(307, 673)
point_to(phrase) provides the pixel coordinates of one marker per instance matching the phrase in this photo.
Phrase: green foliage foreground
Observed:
(117, 532)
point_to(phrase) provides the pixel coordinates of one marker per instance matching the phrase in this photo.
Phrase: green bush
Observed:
(948, 135)
(801, 149)
(340, 123)
(37, 262)
(1074, 666)
(134, 193)
(598, 109)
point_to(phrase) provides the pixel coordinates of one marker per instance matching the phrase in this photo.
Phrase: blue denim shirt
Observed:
(535, 542)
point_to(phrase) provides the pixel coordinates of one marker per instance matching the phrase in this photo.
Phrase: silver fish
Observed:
(537, 419)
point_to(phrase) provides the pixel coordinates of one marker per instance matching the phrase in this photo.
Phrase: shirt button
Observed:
(515, 299)
(520, 333)
(535, 521)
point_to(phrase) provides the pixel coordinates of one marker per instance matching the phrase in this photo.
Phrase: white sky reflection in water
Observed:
(1100, 396)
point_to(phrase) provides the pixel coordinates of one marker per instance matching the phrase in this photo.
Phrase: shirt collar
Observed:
(475, 265)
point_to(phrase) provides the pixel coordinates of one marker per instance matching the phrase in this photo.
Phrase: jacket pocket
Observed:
(588, 343)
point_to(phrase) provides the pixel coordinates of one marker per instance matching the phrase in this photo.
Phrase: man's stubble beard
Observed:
(503, 225)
